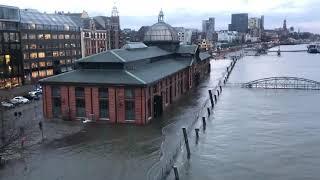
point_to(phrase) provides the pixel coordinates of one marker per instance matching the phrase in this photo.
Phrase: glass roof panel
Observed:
(34, 17)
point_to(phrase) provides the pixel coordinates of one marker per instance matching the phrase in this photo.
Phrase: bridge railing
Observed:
(281, 83)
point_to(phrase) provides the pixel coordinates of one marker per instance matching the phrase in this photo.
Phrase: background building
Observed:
(35, 45)
(239, 23)
(95, 37)
(256, 26)
(11, 71)
(225, 36)
(208, 28)
(184, 35)
(50, 44)
(129, 35)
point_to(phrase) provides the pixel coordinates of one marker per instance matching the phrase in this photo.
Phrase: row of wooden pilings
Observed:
(214, 94)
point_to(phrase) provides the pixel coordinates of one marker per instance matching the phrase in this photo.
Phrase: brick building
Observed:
(129, 85)
(99, 33)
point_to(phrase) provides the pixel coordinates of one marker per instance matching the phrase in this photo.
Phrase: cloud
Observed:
(189, 13)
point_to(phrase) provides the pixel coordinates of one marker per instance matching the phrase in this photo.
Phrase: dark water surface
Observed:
(260, 133)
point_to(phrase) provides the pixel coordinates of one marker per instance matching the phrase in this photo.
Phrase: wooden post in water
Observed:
(211, 99)
(208, 110)
(186, 141)
(197, 132)
(176, 173)
(204, 123)
(218, 92)
(220, 88)
(215, 98)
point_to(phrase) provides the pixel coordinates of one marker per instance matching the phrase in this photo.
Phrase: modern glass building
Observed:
(50, 44)
(239, 23)
(11, 72)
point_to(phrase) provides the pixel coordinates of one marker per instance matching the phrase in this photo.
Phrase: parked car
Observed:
(19, 99)
(38, 90)
(34, 93)
(7, 104)
(31, 97)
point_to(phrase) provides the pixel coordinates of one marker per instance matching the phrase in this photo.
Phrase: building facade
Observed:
(239, 23)
(227, 36)
(129, 85)
(256, 26)
(11, 72)
(35, 45)
(184, 35)
(50, 44)
(95, 37)
(208, 28)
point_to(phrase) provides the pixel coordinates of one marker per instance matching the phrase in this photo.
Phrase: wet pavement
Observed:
(107, 151)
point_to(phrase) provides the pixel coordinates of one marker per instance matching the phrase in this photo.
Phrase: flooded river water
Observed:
(262, 133)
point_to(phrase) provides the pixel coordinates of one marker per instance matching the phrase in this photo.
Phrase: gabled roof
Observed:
(94, 76)
(102, 21)
(187, 49)
(204, 55)
(126, 55)
(142, 75)
(155, 71)
(107, 56)
(142, 53)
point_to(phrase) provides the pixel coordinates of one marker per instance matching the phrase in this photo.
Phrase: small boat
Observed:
(314, 48)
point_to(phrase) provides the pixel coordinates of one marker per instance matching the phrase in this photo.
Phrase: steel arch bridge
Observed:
(283, 83)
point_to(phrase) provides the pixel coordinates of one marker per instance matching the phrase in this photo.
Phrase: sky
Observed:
(301, 14)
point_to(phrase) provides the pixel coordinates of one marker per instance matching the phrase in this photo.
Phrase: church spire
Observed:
(115, 11)
(160, 17)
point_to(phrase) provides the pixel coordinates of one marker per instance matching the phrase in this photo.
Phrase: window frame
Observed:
(105, 99)
(129, 99)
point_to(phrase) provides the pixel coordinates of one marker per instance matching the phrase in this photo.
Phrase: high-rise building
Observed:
(11, 66)
(208, 28)
(262, 23)
(239, 23)
(254, 23)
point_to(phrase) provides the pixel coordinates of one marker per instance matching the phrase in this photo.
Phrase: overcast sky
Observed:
(302, 14)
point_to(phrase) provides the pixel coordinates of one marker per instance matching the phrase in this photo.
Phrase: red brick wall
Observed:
(87, 94)
(120, 105)
(112, 104)
(149, 96)
(95, 103)
(138, 108)
(64, 101)
(48, 102)
(72, 102)
(44, 103)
